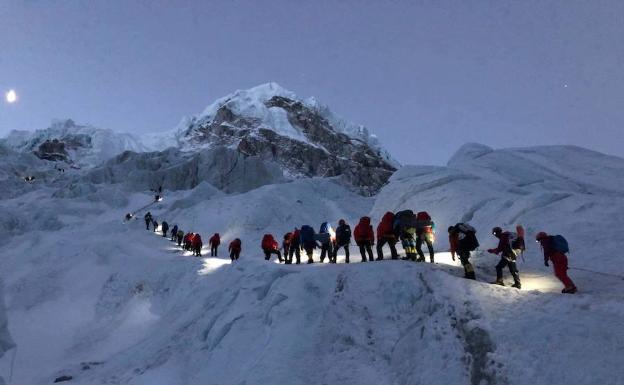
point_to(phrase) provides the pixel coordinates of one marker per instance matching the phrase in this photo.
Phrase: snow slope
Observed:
(107, 302)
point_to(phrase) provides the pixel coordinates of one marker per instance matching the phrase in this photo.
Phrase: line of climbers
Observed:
(193, 241)
(412, 230)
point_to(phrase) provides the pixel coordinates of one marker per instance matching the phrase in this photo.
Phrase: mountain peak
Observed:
(303, 135)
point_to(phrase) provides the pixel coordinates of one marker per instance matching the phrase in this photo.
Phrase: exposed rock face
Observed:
(52, 150)
(310, 147)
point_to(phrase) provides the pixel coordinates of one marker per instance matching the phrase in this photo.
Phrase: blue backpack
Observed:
(560, 244)
(307, 234)
(325, 227)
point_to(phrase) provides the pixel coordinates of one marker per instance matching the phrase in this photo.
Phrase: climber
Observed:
(214, 243)
(555, 248)
(174, 233)
(404, 227)
(463, 240)
(386, 235)
(286, 247)
(324, 238)
(155, 224)
(148, 220)
(365, 238)
(128, 217)
(180, 236)
(270, 246)
(235, 249)
(424, 233)
(197, 244)
(508, 256)
(308, 241)
(188, 241)
(295, 246)
(165, 228)
(343, 239)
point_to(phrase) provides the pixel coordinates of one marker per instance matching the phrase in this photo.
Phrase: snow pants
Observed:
(513, 269)
(464, 258)
(346, 249)
(234, 254)
(428, 239)
(147, 223)
(213, 250)
(560, 265)
(180, 241)
(366, 248)
(294, 250)
(197, 250)
(268, 252)
(391, 241)
(409, 245)
(326, 250)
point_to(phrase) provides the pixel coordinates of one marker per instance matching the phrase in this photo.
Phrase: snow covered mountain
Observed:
(303, 136)
(67, 142)
(93, 299)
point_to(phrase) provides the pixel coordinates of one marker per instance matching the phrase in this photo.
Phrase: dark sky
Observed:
(426, 76)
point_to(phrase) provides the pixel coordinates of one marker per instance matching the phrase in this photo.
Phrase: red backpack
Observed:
(268, 242)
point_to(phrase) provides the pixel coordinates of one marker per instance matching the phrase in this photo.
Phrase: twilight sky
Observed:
(425, 76)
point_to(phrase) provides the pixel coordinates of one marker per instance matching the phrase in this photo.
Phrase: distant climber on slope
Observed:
(164, 227)
(555, 248)
(155, 224)
(270, 246)
(404, 227)
(325, 238)
(463, 240)
(286, 247)
(148, 220)
(424, 233)
(197, 244)
(174, 233)
(214, 243)
(343, 239)
(506, 243)
(385, 234)
(295, 246)
(180, 236)
(365, 238)
(235, 249)
(308, 241)
(188, 241)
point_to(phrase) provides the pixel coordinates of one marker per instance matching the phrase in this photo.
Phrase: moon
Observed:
(11, 96)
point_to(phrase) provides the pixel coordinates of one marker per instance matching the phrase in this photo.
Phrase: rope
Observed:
(597, 272)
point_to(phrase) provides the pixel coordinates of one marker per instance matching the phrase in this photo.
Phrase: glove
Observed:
(546, 263)
(491, 251)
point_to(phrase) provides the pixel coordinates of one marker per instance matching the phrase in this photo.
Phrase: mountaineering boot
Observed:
(406, 258)
(310, 261)
(569, 290)
(517, 285)
(421, 259)
(498, 282)
(432, 260)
